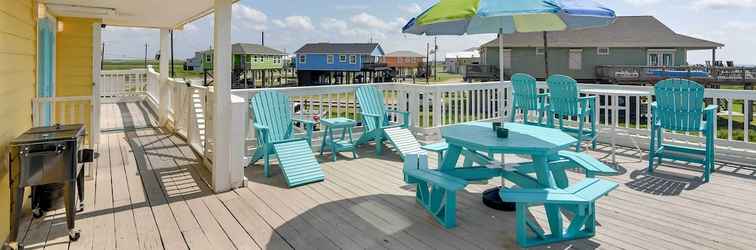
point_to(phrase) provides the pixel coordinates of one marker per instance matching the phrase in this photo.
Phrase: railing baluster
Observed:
(729, 119)
(746, 119)
(637, 112)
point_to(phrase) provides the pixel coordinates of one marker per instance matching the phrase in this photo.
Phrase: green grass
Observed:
(139, 64)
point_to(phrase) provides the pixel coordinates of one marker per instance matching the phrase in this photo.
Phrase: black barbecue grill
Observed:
(45, 158)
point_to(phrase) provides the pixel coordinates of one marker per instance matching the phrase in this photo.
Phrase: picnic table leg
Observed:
(451, 157)
(545, 178)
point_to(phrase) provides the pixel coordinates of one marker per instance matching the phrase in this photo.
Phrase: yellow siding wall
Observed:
(74, 69)
(18, 35)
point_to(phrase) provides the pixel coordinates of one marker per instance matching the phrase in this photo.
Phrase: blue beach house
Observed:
(333, 63)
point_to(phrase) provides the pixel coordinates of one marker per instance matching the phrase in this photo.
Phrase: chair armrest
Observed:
(710, 112)
(305, 121)
(262, 133)
(405, 117)
(371, 115)
(397, 111)
(589, 100)
(711, 108)
(260, 126)
(309, 127)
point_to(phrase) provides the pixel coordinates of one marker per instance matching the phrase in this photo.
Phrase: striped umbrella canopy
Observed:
(459, 17)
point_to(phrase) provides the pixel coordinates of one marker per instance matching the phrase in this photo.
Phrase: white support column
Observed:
(165, 56)
(97, 83)
(226, 163)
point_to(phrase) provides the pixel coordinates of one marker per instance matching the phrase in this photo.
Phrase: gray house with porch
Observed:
(631, 40)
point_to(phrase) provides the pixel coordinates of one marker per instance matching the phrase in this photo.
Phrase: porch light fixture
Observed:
(82, 9)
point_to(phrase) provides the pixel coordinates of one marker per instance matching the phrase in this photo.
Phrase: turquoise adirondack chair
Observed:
(679, 107)
(274, 126)
(564, 102)
(527, 98)
(375, 117)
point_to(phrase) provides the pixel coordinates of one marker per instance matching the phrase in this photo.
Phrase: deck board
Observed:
(147, 190)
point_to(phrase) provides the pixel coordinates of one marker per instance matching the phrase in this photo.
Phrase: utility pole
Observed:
(145, 55)
(262, 38)
(435, 57)
(427, 63)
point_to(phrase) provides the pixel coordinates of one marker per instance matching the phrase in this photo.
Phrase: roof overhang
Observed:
(170, 14)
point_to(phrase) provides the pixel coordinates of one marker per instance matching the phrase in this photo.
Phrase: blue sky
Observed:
(290, 24)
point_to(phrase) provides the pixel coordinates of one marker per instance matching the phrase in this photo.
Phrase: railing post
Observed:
(414, 107)
(237, 140)
(437, 107)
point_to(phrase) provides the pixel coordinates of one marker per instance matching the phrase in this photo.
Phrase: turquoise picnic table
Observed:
(478, 142)
(541, 182)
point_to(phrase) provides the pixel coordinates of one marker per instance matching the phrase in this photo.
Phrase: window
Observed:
(352, 59)
(342, 58)
(329, 59)
(209, 58)
(539, 51)
(302, 59)
(576, 59)
(602, 51)
(507, 59)
(661, 57)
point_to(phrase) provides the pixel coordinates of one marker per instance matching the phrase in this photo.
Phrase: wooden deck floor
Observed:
(145, 191)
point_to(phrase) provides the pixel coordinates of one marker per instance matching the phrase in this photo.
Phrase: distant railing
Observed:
(482, 72)
(117, 85)
(624, 73)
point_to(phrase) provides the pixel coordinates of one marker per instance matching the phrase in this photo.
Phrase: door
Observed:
(45, 74)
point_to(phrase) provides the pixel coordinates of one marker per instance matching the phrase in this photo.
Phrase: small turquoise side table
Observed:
(330, 141)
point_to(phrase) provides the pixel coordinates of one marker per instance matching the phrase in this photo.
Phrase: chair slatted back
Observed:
(272, 109)
(370, 99)
(525, 91)
(563, 95)
(679, 104)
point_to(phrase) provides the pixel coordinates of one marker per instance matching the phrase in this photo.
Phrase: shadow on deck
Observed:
(146, 190)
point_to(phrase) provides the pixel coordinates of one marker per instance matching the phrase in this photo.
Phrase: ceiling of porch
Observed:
(134, 13)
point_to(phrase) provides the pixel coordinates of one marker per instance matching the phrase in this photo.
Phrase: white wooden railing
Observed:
(123, 85)
(47, 111)
(465, 102)
(188, 110)
(432, 107)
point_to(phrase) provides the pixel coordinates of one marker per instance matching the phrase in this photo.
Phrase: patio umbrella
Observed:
(459, 17)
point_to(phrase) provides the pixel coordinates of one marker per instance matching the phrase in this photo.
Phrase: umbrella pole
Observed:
(546, 54)
(501, 57)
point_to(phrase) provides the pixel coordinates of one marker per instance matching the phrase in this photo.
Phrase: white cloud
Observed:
(740, 26)
(300, 23)
(412, 8)
(643, 3)
(370, 21)
(245, 17)
(724, 4)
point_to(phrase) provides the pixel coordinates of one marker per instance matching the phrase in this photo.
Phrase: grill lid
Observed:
(51, 133)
